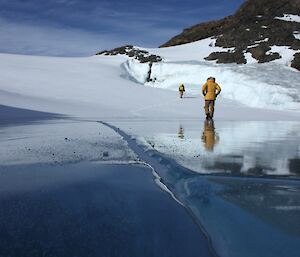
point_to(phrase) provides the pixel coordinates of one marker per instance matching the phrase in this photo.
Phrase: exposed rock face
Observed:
(227, 57)
(260, 53)
(129, 50)
(296, 61)
(254, 28)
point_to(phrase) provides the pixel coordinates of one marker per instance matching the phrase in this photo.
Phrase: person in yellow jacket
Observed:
(210, 90)
(181, 90)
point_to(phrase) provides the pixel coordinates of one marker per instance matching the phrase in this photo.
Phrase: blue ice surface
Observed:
(243, 216)
(92, 209)
(14, 116)
(106, 210)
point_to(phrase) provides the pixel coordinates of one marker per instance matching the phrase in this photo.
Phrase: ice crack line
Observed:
(155, 165)
(158, 181)
(144, 159)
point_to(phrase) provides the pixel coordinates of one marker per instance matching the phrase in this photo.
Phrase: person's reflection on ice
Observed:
(181, 132)
(209, 136)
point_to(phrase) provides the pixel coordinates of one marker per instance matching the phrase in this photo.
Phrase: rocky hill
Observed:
(141, 55)
(255, 28)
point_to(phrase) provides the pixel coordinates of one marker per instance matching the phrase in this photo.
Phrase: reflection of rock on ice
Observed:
(209, 137)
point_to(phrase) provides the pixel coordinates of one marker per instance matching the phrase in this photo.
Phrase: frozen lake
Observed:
(77, 188)
(92, 209)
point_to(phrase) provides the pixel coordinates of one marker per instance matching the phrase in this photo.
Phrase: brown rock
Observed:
(253, 22)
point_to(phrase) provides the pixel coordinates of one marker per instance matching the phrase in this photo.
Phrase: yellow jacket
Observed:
(210, 90)
(181, 88)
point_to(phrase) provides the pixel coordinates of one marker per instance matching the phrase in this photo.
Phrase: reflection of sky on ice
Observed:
(91, 209)
(246, 217)
(243, 217)
(253, 148)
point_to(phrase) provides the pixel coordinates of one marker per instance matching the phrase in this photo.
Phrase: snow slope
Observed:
(106, 87)
(93, 86)
(289, 18)
(198, 50)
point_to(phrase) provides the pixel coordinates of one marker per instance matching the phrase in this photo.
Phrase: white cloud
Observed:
(30, 39)
(48, 40)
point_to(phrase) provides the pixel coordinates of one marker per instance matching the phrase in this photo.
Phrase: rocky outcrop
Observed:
(227, 57)
(254, 28)
(296, 61)
(261, 54)
(141, 55)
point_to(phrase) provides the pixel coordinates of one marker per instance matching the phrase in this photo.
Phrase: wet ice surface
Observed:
(224, 147)
(91, 209)
(247, 197)
(238, 181)
(71, 188)
(60, 142)
(243, 217)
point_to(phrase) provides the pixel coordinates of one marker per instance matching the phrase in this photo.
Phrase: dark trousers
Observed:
(209, 107)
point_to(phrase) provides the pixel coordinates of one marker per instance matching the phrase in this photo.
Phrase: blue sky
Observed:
(83, 27)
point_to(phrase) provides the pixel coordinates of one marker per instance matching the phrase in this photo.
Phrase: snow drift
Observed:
(270, 86)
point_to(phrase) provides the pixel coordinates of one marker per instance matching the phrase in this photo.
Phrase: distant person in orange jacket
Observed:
(181, 90)
(210, 90)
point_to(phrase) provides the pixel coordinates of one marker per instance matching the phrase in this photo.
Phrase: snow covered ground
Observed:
(115, 87)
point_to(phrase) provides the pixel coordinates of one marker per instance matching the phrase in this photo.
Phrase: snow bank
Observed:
(269, 86)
